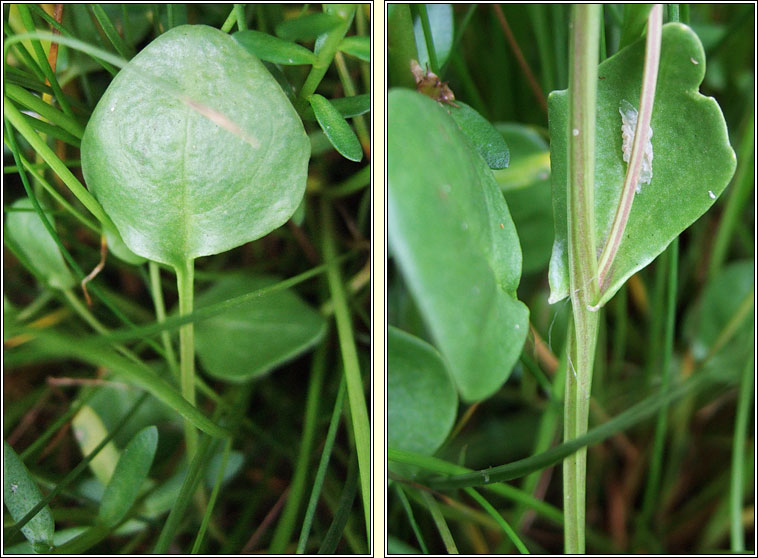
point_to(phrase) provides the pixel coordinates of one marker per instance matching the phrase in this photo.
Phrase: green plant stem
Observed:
(428, 39)
(318, 482)
(411, 518)
(739, 193)
(326, 51)
(652, 490)
(647, 97)
(356, 397)
(231, 19)
(239, 10)
(185, 278)
(507, 529)
(439, 521)
(214, 495)
(347, 84)
(286, 524)
(582, 264)
(160, 314)
(737, 489)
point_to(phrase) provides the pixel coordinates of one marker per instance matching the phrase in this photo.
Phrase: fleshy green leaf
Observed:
(441, 24)
(455, 243)
(254, 338)
(358, 46)
(487, 141)
(130, 474)
(347, 106)
(635, 20)
(194, 149)
(25, 228)
(336, 128)
(273, 49)
(20, 494)
(421, 396)
(307, 27)
(692, 159)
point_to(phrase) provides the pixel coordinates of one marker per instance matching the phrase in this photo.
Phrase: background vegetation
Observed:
(290, 476)
(668, 481)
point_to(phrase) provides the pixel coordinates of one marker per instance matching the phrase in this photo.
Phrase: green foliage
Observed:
(336, 128)
(20, 495)
(254, 338)
(692, 164)
(24, 227)
(454, 240)
(422, 401)
(127, 479)
(164, 146)
(482, 135)
(214, 120)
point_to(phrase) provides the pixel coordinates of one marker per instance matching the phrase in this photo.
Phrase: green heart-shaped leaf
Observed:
(131, 472)
(20, 495)
(26, 230)
(455, 243)
(421, 396)
(194, 148)
(692, 159)
(254, 338)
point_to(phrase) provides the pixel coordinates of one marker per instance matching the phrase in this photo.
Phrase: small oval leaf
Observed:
(130, 474)
(358, 46)
(421, 396)
(20, 494)
(273, 49)
(487, 141)
(254, 338)
(25, 228)
(336, 128)
(347, 106)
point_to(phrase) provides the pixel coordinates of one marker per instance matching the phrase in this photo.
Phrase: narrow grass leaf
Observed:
(336, 128)
(358, 46)
(131, 471)
(110, 31)
(273, 49)
(58, 345)
(334, 534)
(307, 27)
(173, 522)
(21, 494)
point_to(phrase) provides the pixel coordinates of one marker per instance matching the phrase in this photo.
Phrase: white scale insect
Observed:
(628, 124)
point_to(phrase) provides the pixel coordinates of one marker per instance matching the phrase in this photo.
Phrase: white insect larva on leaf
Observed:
(628, 125)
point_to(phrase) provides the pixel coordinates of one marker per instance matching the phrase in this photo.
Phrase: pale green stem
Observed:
(185, 286)
(160, 314)
(585, 34)
(647, 97)
(325, 52)
(737, 489)
(355, 395)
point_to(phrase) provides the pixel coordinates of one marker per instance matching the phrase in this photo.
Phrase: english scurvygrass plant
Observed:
(474, 247)
(197, 126)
